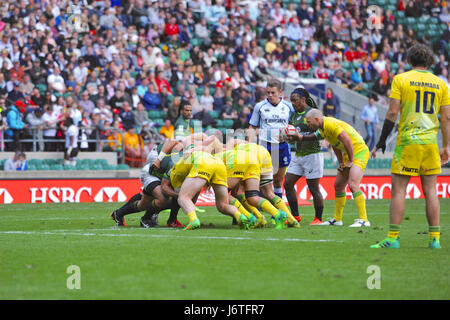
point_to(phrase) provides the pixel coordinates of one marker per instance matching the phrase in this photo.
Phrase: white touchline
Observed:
(68, 233)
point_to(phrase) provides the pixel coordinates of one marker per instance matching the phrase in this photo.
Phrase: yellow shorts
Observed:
(265, 160)
(178, 173)
(360, 158)
(211, 169)
(244, 171)
(416, 159)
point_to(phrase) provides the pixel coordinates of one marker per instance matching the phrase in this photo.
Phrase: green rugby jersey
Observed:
(304, 148)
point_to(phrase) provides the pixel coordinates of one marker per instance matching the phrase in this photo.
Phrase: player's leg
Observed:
(189, 188)
(432, 209)
(251, 193)
(339, 198)
(355, 176)
(267, 191)
(172, 221)
(396, 211)
(312, 165)
(129, 207)
(239, 193)
(294, 172)
(224, 207)
(314, 188)
(153, 204)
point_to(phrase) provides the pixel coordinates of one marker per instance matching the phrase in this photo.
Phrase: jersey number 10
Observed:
(425, 101)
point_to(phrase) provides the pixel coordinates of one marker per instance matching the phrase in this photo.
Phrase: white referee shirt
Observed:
(271, 118)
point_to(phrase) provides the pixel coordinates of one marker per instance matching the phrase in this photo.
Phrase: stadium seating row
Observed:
(58, 165)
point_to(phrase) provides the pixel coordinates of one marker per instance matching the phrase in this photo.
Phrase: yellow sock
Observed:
(266, 206)
(240, 207)
(360, 203)
(394, 231)
(279, 203)
(192, 216)
(249, 207)
(339, 204)
(434, 232)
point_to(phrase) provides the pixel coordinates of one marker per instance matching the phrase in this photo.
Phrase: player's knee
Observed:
(354, 186)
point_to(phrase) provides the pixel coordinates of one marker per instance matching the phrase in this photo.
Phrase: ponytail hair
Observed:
(305, 94)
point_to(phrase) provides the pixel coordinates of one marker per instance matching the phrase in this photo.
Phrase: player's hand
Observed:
(373, 153)
(445, 155)
(156, 163)
(348, 164)
(340, 167)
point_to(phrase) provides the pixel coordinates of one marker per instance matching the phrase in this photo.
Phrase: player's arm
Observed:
(168, 146)
(445, 128)
(339, 157)
(348, 145)
(167, 189)
(388, 125)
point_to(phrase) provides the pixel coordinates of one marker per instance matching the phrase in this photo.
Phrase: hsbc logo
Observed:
(5, 197)
(110, 194)
(83, 194)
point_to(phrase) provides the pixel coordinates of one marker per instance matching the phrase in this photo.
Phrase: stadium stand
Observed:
(97, 61)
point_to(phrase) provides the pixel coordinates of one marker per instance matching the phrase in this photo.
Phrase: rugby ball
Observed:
(289, 130)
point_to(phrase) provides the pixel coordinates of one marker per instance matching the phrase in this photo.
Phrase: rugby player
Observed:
(420, 97)
(308, 160)
(352, 154)
(268, 117)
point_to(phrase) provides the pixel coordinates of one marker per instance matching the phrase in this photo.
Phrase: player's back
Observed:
(333, 127)
(421, 96)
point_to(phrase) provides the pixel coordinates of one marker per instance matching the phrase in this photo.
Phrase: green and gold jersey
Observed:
(421, 95)
(304, 148)
(332, 128)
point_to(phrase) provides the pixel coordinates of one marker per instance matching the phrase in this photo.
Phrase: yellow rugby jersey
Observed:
(332, 128)
(261, 153)
(421, 95)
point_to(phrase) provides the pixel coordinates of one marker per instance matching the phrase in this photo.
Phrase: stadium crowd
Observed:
(112, 65)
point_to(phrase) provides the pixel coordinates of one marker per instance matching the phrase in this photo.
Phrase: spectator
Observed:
(35, 125)
(133, 148)
(16, 125)
(127, 115)
(369, 115)
(332, 105)
(151, 98)
(207, 100)
(16, 163)
(141, 115)
(321, 72)
(168, 129)
(87, 105)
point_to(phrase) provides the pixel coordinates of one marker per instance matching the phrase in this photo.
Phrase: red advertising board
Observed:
(119, 190)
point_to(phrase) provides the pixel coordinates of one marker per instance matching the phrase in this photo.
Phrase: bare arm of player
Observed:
(167, 189)
(339, 157)
(348, 145)
(168, 146)
(389, 122)
(445, 128)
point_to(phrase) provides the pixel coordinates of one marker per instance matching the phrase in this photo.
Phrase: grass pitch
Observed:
(38, 243)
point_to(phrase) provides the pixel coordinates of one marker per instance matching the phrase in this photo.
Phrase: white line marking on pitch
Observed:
(64, 233)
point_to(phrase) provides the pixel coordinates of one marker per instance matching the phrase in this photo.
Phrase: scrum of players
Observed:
(241, 175)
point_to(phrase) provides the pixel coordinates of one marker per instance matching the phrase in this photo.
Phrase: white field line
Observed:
(73, 218)
(88, 234)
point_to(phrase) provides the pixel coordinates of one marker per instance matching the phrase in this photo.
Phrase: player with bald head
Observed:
(352, 154)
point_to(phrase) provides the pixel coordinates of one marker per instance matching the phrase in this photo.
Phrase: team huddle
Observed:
(247, 177)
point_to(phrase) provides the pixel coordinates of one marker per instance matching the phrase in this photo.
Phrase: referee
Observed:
(268, 117)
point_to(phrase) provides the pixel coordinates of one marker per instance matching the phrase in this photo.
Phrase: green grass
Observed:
(219, 261)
